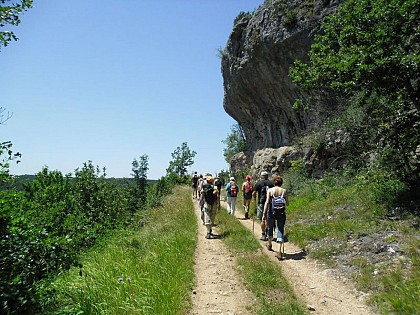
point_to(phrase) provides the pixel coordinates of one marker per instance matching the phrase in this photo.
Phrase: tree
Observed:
(235, 142)
(367, 45)
(9, 15)
(182, 157)
(139, 194)
(369, 52)
(6, 153)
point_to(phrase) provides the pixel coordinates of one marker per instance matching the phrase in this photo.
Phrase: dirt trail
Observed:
(219, 291)
(218, 288)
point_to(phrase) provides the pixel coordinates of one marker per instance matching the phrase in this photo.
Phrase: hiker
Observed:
(218, 182)
(209, 195)
(231, 195)
(275, 213)
(200, 185)
(247, 189)
(194, 185)
(201, 181)
(261, 188)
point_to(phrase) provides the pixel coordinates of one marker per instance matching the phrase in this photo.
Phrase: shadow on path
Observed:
(295, 256)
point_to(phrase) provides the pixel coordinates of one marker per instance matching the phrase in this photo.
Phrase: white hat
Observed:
(264, 173)
(232, 178)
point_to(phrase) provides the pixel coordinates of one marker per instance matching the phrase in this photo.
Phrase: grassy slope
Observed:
(137, 272)
(339, 224)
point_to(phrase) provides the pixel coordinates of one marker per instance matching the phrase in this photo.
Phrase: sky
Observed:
(109, 81)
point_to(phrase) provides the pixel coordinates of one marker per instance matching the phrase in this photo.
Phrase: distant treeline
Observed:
(19, 181)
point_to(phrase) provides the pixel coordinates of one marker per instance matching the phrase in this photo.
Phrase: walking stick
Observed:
(253, 221)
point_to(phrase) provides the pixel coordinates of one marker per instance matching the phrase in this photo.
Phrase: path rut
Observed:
(219, 290)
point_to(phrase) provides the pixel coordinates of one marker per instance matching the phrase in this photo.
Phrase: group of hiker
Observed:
(270, 197)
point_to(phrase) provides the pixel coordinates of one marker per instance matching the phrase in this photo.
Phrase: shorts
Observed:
(260, 211)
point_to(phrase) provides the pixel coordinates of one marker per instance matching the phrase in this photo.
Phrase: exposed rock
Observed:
(274, 161)
(238, 162)
(259, 94)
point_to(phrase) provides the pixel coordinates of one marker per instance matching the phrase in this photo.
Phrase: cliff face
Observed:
(259, 94)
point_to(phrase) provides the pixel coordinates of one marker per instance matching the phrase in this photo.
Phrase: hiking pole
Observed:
(253, 222)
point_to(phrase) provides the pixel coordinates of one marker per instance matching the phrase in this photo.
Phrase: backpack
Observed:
(278, 206)
(218, 183)
(233, 189)
(248, 188)
(209, 196)
(195, 179)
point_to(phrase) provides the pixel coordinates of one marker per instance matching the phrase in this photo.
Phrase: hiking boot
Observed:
(208, 236)
(246, 216)
(263, 237)
(269, 247)
(279, 256)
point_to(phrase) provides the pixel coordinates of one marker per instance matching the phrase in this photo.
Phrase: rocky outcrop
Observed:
(259, 94)
(274, 161)
(238, 162)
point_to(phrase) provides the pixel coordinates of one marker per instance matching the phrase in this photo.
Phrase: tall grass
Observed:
(148, 271)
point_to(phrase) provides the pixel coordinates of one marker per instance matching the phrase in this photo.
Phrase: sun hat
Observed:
(232, 178)
(209, 179)
(264, 173)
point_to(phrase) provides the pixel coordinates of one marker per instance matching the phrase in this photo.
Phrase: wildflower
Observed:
(120, 279)
(128, 279)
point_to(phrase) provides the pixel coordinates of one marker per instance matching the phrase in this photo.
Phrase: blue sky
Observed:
(109, 81)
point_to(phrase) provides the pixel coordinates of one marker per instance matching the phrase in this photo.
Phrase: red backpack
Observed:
(233, 189)
(248, 188)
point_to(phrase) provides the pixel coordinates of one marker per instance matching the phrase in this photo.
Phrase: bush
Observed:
(47, 225)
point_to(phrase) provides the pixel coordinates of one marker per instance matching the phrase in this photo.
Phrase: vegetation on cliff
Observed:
(368, 57)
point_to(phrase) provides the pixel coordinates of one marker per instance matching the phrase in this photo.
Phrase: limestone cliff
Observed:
(258, 92)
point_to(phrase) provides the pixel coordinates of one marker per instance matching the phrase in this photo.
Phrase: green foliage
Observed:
(369, 53)
(46, 226)
(6, 156)
(384, 188)
(242, 15)
(221, 52)
(291, 11)
(135, 271)
(224, 176)
(290, 18)
(369, 44)
(235, 142)
(182, 157)
(9, 15)
(334, 217)
(139, 193)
